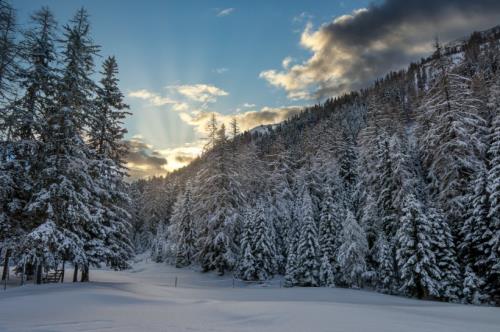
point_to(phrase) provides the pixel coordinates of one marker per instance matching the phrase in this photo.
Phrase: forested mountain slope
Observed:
(395, 187)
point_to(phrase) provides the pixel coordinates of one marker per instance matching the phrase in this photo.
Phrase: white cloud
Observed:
(286, 62)
(202, 93)
(248, 105)
(225, 12)
(153, 98)
(246, 120)
(221, 70)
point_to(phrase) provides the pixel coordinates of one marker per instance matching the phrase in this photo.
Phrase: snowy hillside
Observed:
(395, 188)
(144, 299)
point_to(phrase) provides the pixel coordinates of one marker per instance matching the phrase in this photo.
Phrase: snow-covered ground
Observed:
(144, 299)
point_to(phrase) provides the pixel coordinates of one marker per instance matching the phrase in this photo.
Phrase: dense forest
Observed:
(394, 188)
(62, 149)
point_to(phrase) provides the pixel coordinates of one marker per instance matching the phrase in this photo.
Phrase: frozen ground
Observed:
(144, 299)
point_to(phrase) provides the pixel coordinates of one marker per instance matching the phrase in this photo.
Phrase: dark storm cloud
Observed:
(143, 160)
(353, 50)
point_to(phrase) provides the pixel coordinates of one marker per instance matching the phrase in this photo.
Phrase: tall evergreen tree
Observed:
(218, 196)
(183, 218)
(417, 264)
(352, 251)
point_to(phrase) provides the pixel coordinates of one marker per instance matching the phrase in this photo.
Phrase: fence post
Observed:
(233, 282)
(175, 282)
(280, 283)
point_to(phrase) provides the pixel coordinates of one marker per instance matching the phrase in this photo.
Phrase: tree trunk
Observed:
(75, 274)
(85, 274)
(6, 264)
(39, 274)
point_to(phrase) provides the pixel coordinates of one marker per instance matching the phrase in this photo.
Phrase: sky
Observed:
(257, 61)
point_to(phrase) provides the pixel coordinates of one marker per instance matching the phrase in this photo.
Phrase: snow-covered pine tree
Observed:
(282, 201)
(8, 52)
(329, 232)
(326, 274)
(61, 204)
(264, 249)
(493, 188)
(246, 265)
(182, 217)
(308, 250)
(293, 235)
(37, 80)
(449, 142)
(218, 197)
(352, 251)
(386, 276)
(446, 255)
(63, 197)
(106, 139)
(472, 289)
(419, 272)
(476, 232)
(258, 261)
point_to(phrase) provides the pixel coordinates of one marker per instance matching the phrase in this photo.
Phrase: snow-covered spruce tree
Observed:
(308, 250)
(182, 217)
(160, 243)
(326, 272)
(493, 188)
(39, 77)
(61, 204)
(449, 142)
(446, 255)
(257, 244)
(218, 197)
(293, 234)
(329, 232)
(347, 163)
(386, 186)
(246, 265)
(472, 288)
(106, 139)
(419, 272)
(63, 196)
(282, 201)
(386, 276)
(37, 80)
(476, 232)
(352, 251)
(9, 61)
(264, 249)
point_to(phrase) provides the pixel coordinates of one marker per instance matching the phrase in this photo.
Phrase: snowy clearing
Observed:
(143, 299)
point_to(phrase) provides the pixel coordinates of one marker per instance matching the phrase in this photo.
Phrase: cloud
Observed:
(225, 12)
(302, 17)
(151, 97)
(181, 156)
(143, 160)
(286, 62)
(248, 105)
(246, 120)
(180, 98)
(202, 93)
(221, 70)
(353, 50)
